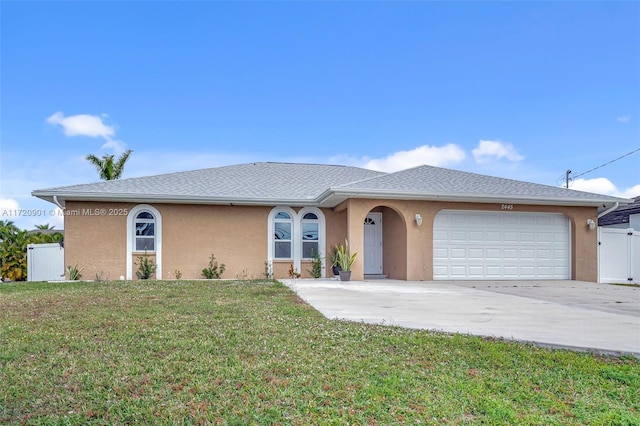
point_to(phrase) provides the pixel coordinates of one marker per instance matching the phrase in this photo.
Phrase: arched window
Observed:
(310, 234)
(145, 226)
(144, 233)
(282, 232)
(292, 236)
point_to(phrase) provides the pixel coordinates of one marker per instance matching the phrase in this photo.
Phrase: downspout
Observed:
(57, 203)
(55, 200)
(609, 210)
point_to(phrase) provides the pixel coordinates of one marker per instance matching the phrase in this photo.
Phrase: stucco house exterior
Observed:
(424, 223)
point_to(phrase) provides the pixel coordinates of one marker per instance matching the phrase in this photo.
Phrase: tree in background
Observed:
(108, 168)
(44, 227)
(13, 248)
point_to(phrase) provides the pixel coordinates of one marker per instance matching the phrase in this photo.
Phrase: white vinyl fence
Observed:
(618, 255)
(45, 262)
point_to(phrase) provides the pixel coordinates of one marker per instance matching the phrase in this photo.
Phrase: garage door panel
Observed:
(493, 271)
(476, 271)
(510, 253)
(546, 237)
(476, 253)
(545, 271)
(509, 236)
(494, 253)
(527, 220)
(459, 271)
(527, 237)
(527, 254)
(527, 270)
(493, 236)
(500, 245)
(440, 253)
(476, 236)
(458, 253)
(544, 254)
(510, 272)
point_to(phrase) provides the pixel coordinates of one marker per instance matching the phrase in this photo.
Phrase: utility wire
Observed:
(609, 162)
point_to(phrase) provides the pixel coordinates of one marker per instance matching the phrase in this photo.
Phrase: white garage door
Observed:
(476, 245)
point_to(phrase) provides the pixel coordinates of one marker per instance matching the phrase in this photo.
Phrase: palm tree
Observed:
(44, 227)
(107, 167)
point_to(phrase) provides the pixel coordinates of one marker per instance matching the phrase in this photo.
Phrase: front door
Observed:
(373, 244)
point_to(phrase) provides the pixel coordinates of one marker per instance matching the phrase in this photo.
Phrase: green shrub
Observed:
(213, 271)
(316, 265)
(74, 272)
(146, 267)
(268, 272)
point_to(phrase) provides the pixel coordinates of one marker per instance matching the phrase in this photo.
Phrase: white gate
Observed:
(45, 262)
(618, 255)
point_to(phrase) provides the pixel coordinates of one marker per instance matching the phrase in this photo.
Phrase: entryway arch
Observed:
(385, 243)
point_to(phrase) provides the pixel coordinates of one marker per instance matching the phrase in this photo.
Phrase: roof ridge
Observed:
(398, 172)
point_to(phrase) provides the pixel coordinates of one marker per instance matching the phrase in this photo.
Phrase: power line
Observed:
(602, 165)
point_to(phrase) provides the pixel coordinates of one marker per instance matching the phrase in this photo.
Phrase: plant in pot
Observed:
(345, 260)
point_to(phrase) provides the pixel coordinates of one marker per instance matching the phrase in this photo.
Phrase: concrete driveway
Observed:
(569, 314)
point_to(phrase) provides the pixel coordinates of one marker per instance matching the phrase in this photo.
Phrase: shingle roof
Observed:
(621, 214)
(429, 181)
(265, 182)
(320, 185)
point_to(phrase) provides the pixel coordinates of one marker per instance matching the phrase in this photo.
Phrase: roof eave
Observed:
(329, 198)
(169, 199)
(341, 194)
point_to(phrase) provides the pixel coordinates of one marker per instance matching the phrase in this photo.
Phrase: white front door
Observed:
(373, 244)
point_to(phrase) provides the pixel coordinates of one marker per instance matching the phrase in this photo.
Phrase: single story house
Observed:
(424, 223)
(623, 217)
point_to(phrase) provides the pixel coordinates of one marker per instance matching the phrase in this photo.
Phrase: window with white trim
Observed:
(145, 232)
(282, 232)
(293, 235)
(309, 235)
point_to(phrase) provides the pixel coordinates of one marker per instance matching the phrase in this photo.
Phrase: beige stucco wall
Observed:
(419, 239)
(237, 236)
(96, 243)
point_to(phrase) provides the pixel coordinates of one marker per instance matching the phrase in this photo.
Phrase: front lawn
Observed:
(230, 352)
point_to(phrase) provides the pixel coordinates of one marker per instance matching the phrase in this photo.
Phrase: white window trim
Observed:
(131, 235)
(321, 231)
(271, 230)
(296, 235)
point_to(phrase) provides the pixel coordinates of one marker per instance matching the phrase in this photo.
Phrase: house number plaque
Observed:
(506, 206)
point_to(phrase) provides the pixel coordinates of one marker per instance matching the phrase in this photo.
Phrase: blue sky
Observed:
(524, 90)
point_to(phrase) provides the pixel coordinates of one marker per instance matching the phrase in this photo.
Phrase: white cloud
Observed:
(117, 146)
(30, 215)
(82, 125)
(425, 154)
(624, 118)
(7, 207)
(488, 151)
(88, 125)
(605, 187)
(632, 192)
(597, 185)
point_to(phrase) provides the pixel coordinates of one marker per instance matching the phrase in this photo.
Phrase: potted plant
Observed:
(345, 260)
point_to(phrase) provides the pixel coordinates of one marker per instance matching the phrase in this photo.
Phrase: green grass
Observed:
(235, 353)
